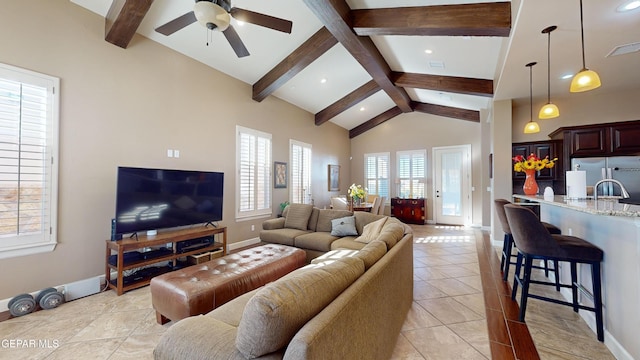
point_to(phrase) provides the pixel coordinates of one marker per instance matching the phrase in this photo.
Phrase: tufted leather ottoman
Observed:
(201, 288)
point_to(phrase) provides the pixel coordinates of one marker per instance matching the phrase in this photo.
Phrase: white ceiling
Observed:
(473, 57)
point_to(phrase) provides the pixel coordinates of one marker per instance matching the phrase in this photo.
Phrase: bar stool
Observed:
(533, 242)
(507, 244)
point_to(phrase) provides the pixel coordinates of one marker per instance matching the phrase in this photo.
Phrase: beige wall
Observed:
(414, 131)
(577, 109)
(127, 107)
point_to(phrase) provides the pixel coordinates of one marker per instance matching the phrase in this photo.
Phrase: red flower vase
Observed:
(530, 186)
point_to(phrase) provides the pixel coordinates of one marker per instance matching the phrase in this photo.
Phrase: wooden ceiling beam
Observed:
(387, 115)
(123, 19)
(347, 102)
(447, 111)
(481, 19)
(295, 62)
(336, 16)
(454, 84)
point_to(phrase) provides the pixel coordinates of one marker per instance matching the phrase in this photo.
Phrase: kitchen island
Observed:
(615, 228)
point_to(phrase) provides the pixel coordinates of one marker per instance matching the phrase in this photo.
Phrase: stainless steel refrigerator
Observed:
(625, 169)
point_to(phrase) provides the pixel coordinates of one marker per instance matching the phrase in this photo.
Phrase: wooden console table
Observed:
(167, 250)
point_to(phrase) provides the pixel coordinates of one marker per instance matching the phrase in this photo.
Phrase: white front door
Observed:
(452, 185)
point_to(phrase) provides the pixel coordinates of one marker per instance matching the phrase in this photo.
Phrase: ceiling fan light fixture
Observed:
(211, 16)
(586, 79)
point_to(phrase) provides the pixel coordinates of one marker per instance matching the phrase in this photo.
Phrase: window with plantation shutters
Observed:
(300, 190)
(28, 167)
(253, 182)
(411, 173)
(376, 174)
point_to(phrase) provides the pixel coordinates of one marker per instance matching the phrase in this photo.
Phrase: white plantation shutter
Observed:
(376, 174)
(28, 172)
(254, 173)
(300, 154)
(411, 173)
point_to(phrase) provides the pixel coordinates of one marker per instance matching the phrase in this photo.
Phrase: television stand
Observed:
(123, 262)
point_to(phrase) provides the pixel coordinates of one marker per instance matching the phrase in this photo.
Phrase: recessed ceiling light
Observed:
(323, 80)
(566, 76)
(362, 108)
(629, 5)
(429, 51)
(239, 23)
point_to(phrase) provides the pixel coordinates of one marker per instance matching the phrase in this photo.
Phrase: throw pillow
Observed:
(371, 253)
(278, 311)
(345, 226)
(371, 231)
(298, 216)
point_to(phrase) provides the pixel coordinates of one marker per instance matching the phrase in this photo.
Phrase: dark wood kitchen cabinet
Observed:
(607, 139)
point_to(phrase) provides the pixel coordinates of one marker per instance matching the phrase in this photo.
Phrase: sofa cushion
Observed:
(276, 312)
(320, 241)
(334, 255)
(344, 226)
(347, 242)
(371, 253)
(391, 233)
(281, 236)
(325, 216)
(371, 231)
(363, 218)
(298, 216)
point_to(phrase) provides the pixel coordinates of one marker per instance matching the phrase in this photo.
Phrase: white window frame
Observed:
(414, 182)
(44, 240)
(300, 173)
(262, 183)
(373, 183)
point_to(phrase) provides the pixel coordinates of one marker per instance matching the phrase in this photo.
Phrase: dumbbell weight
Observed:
(22, 304)
(49, 298)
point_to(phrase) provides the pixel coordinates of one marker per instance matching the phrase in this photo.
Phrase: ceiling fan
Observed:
(216, 15)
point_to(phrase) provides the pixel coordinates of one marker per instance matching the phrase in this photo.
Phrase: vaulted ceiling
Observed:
(375, 62)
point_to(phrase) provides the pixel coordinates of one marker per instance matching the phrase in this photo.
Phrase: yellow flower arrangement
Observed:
(357, 191)
(532, 162)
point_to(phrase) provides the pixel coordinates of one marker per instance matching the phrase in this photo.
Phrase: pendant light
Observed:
(549, 111)
(586, 79)
(531, 127)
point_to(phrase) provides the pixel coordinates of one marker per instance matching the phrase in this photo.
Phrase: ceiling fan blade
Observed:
(235, 42)
(262, 20)
(177, 23)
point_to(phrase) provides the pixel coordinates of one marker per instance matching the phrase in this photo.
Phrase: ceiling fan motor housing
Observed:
(211, 15)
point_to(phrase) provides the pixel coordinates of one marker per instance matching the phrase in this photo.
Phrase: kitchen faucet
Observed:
(623, 191)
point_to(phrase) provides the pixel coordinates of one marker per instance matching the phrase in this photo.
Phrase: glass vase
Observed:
(530, 186)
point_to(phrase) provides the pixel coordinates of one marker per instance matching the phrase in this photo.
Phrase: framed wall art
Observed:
(279, 175)
(334, 177)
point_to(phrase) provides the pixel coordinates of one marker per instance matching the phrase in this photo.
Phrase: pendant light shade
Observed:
(586, 79)
(549, 110)
(531, 127)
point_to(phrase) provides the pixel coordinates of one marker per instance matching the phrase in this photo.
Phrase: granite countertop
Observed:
(608, 207)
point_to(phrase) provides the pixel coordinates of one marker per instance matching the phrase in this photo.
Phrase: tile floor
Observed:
(448, 319)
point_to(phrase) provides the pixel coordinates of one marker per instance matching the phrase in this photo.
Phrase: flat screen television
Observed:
(152, 199)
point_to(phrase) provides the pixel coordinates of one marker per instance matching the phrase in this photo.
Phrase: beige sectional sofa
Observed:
(344, 305)
(310, 229)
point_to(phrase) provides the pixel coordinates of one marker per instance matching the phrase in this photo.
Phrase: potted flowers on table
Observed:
(357, 193)
(529, 166)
